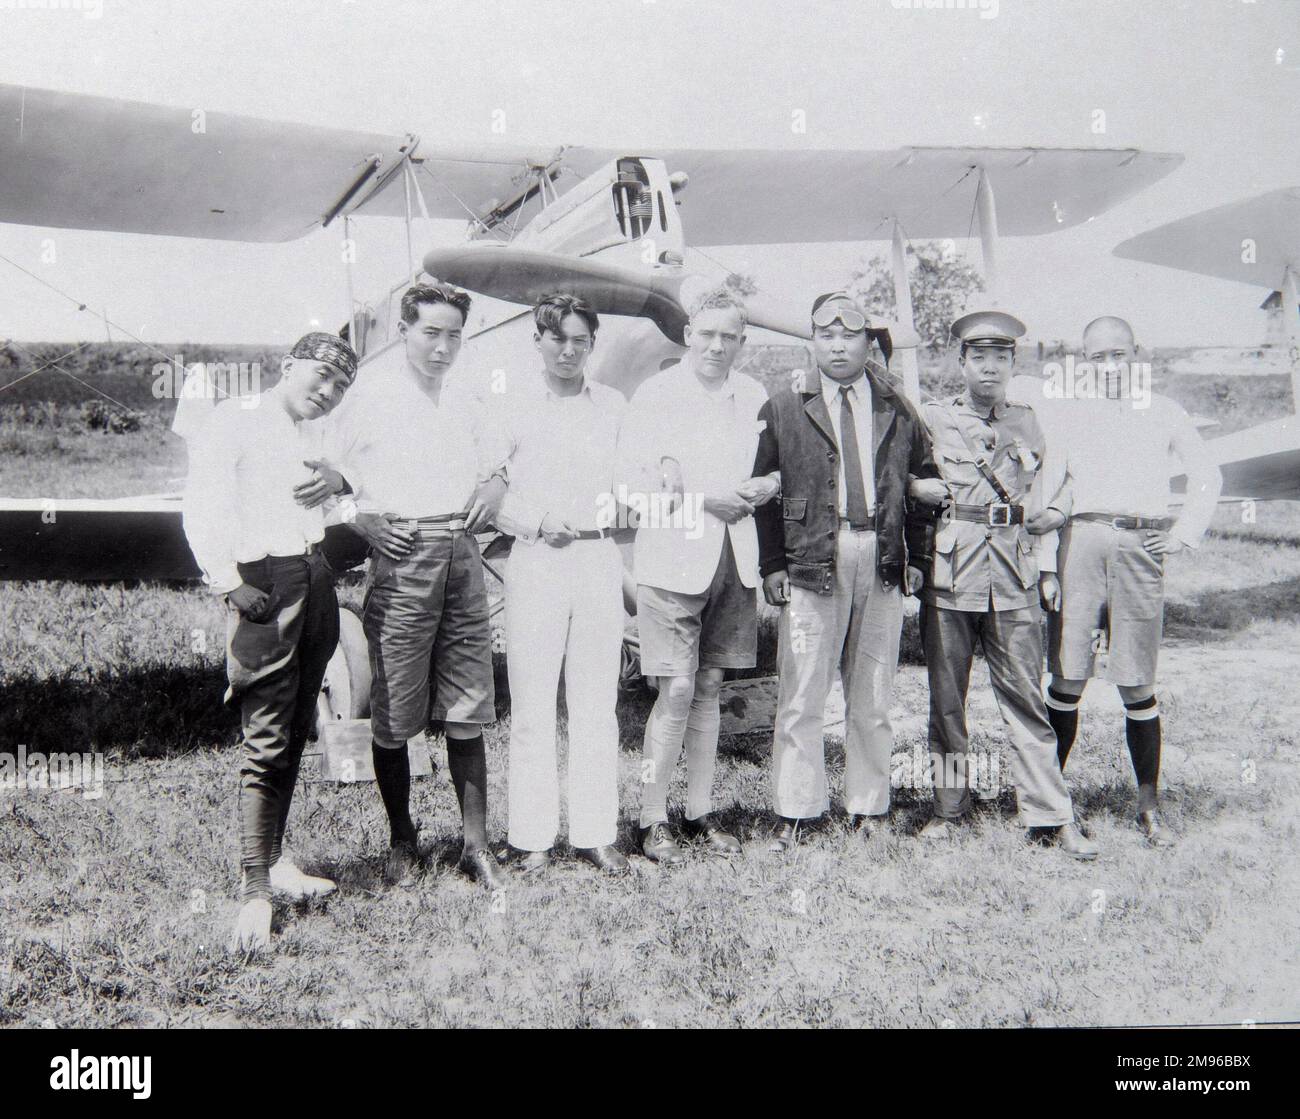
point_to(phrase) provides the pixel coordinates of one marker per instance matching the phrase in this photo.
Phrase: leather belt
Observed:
(1121, 522)
(443, 522)
(997, 514)
(592, 534)
(857, 526)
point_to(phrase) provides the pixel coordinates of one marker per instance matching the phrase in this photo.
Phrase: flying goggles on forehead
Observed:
(853, 320)
(851, 317)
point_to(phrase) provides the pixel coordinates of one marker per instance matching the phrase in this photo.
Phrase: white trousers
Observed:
(854, 631)
(564, 606)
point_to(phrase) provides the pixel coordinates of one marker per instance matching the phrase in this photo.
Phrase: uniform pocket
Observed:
(794, 508)
(945, 557)
(958, 468)
(1026, 562)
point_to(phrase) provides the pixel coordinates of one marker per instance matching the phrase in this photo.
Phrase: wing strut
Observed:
(906, 340)
(1291, 316)
(349, 254)
(988, 214)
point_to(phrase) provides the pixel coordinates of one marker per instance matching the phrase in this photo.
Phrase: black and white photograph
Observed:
(650, 514)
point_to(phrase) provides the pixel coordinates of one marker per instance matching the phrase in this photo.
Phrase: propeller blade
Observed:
(519, 275)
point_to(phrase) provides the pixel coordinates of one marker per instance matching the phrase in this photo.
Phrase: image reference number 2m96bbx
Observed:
(1192, 1060)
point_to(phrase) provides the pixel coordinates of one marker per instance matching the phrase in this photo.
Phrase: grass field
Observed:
(115, 911)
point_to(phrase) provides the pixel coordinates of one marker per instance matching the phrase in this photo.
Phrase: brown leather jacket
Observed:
(797, 532)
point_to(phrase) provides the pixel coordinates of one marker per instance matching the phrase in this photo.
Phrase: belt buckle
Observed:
(999, 514)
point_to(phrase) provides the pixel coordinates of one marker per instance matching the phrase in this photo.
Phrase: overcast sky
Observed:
(1216, 80)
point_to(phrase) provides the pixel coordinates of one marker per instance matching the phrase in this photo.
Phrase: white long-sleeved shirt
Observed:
(1120, 459)
(402, 452)
(239, 504)
(562, 457)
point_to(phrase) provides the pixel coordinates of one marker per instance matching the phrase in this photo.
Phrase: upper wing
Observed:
(74, 161)
(772, 197)
(1250, 242)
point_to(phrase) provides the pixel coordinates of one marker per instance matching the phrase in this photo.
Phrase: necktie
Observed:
(855, 492)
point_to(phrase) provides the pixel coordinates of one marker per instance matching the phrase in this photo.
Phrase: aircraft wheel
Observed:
(346, 689)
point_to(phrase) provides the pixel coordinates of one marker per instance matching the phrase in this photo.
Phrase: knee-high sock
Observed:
(664, 733)
(467, 761)
(1063, 714)
(701, 743)
(1142, 729)
(393, 776)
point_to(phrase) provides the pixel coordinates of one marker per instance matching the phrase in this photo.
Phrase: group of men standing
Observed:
(838, 497)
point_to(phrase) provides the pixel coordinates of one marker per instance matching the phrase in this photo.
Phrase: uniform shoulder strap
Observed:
(982, 464)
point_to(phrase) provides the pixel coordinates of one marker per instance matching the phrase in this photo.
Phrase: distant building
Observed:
(1275, 331)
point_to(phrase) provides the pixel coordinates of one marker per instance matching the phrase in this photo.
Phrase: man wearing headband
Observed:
(983, 586)
(1107, 609)
(254, 521)
(688, 444)
(427, 475)
(837, 554)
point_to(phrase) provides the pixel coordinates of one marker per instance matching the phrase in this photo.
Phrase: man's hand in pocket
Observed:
(251, 603)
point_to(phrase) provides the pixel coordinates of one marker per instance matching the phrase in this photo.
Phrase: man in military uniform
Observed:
(984, 586)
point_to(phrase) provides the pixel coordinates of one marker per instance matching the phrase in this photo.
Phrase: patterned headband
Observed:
(329, 348)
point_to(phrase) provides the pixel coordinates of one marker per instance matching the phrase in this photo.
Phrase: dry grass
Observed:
(116, 910)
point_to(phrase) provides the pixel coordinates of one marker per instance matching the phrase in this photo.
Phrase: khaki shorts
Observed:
(681, 633)
(1112, 606)
(426, 622)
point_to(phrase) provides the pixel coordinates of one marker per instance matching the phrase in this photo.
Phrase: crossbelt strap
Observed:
(984, 468)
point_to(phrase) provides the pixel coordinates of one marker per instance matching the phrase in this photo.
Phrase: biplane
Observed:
(1255, 241)
(614, 226)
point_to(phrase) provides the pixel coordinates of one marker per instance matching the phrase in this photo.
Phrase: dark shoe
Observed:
(1068, 838)
(608, 858)
(658, 845)
(1153, 827)
(403, 865)
(530, 862)
(784, 836)
(708, 831)
(483, 866)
